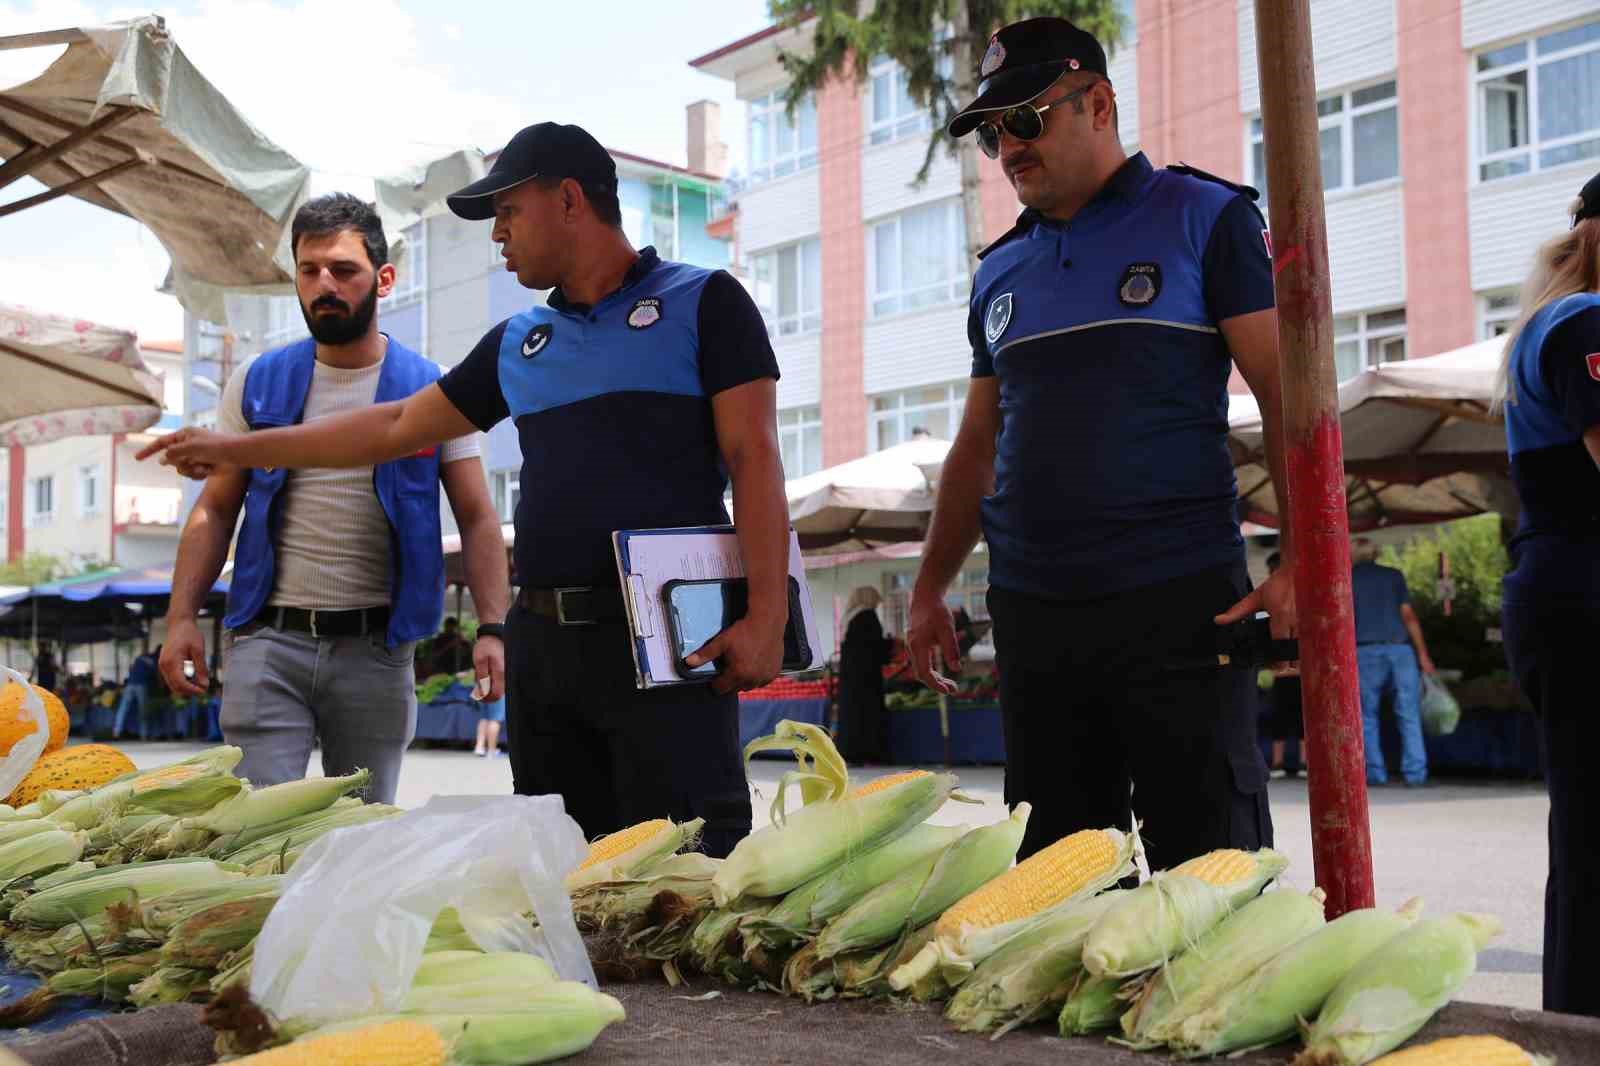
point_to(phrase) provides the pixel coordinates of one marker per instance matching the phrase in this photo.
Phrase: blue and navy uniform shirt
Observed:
(1554, 398)
(1112, 469)
(1377, 593)
(613, 409)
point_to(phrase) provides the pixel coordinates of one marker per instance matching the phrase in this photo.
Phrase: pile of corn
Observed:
(856, 894)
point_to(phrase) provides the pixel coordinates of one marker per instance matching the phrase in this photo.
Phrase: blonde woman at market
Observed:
(1551, 607)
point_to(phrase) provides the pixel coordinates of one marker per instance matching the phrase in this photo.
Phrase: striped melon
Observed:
(83, 766)
(16, 722)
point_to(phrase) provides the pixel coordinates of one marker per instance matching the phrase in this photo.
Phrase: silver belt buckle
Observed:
(561, 606)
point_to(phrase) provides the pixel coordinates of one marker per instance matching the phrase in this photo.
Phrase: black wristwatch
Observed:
(491, 629)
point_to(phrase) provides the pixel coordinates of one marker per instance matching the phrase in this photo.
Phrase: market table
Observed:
(679, 1025)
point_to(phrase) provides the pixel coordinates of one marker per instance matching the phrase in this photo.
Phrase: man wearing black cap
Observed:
(638, 392)
(1092, 458)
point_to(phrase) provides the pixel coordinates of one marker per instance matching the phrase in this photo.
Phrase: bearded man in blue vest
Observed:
(338, 572)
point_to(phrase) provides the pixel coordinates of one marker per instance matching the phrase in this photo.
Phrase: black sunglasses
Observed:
(1025, 122)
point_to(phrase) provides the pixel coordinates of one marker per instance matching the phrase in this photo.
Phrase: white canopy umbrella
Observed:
(66, 377)
(1420, 442)
(882, 498)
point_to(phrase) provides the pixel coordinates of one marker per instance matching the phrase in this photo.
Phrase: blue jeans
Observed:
(135, 697)
(1392, 668)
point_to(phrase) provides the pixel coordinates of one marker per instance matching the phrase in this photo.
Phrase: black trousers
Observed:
(616, 754)
(1112, 696)
(1551, 650)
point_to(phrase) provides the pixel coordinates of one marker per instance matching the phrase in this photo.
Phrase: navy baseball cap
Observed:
(545, 150)
(1023, 60)
(1588, 201)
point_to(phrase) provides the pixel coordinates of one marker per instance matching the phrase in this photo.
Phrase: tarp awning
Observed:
(66, 377)
(123, 120)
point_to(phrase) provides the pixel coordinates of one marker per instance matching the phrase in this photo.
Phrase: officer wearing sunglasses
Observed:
(1092, 457)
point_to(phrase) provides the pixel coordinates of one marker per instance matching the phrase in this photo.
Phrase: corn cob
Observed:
(1175, 908)
(1225, 956)
(1073, 868)
(396, 1043)
(714, 947)
(91, 894)
(846, 884)
(169, 984)
(817, 837)
(18, 828)
(1390, 994)
(1266, 1008)
(923, 890)
(1029, 977)
(298, 837)
(202, 940)
(443, 968)
(187, 786)
(110, 982)
(1092, 1004)
(164, 913)
(53, 798)
(878, 784)
(262, 806)
(1464, 1051)
(113, 833)
(631, 851)
(225, 845)
(234, 970)
(40, 852)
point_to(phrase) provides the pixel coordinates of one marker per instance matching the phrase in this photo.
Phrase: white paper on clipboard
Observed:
(649, 558)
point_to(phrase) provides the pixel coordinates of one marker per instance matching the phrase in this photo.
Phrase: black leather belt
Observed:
(354, 623)
(580, 605)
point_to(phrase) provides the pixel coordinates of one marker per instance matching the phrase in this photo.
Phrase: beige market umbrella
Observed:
(122, 119)
(65, 377)
(1421, 443)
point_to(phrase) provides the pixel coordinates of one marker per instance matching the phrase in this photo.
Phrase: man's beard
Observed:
(340, 329)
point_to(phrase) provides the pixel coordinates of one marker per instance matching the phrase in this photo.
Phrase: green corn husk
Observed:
(164, 913)
(1166, 914)
(8, 812)
(922, 891)
(787, 924)
(1030, 976)
(185, 787)
(852, 975)
(448, 934)
(40, 852)
(19, 828)
(1267, 1008)
(110, 834)
(1390, 994)
(54, 798)
(444, 968)
(93, 893)
(257, 807)
(170, 984)
(234, 971)
(110, 982)
(279, 844)
(225, 845)
(1092, 1005)
(640, 859)
(842, 887)
(1225, 956)
(202, 940)
(716, 947)
(619, 904)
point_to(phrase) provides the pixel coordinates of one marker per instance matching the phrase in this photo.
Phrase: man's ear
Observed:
(386, 276)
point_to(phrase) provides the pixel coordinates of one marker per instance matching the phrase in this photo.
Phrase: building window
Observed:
(1360, 134)
(894, 113)
(968, 592)
(918, 259)
(411, 274)
(664, 219)
(285, 322)
(1538, 102)
(1497, 313)
(788, 288)
(89, 491)
(505, 487)
(781, 144)
(1366, 339)
(933, 411)
(41, 500)
(800, 440)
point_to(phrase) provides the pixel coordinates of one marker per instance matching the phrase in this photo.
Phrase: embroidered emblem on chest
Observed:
(645, 313)
(537, 338)
(1140, 285)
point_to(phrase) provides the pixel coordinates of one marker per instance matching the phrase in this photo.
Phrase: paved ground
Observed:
(1461, 845)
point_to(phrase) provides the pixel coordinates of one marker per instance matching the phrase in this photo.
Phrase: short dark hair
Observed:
(601, 197)
(1274, 561)
(336, 212)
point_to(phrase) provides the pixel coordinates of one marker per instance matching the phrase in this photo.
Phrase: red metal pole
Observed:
(1341, 840)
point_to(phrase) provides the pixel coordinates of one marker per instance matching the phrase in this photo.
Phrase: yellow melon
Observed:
(83, 766)
(16, 722)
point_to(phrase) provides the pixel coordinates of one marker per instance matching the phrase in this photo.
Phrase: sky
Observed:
(361, 88)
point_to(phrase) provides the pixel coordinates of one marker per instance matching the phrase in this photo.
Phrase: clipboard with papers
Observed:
(652, 562)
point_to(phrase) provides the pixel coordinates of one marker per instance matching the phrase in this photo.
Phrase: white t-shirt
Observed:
(333, 537)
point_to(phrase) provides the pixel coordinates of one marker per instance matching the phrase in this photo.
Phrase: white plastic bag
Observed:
(349, 928)
(25, 752)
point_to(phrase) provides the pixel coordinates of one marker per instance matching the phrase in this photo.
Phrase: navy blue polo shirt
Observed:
(613, 410)
(1112, 469)
(1377, 594)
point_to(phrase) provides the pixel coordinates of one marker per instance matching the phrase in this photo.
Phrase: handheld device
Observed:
(699, 610)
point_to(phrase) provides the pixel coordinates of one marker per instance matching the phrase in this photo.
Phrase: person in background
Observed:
(1389, 651)
(449, 649)
(44, 669)
(1287, 724)
(863, 726)
(1551, 607)
(491, 716)
(135, 692)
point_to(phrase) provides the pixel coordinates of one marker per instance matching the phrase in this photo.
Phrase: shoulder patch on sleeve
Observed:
(1593, 360)
(1196, 172)
(1022, 224)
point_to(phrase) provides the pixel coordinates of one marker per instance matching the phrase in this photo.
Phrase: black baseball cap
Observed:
(545, 150)
(1022, 61)
(1588, 201)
